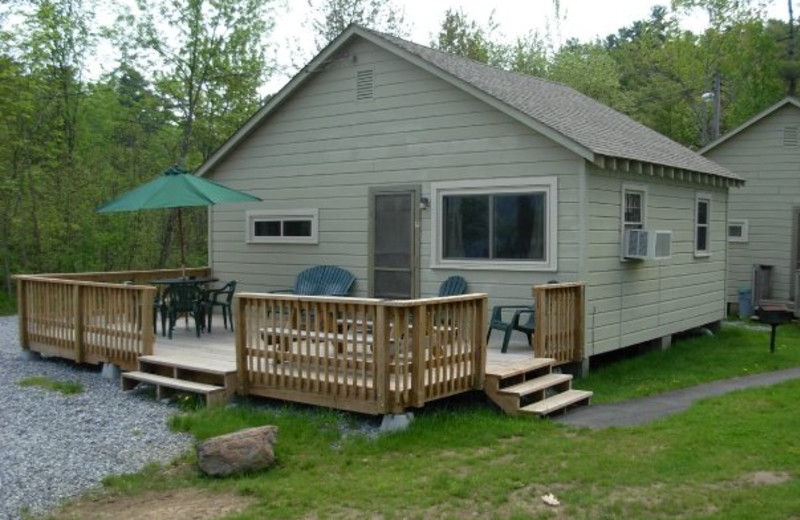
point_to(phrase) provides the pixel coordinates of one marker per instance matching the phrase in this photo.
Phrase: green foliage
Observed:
(64, 387)
(331, 17)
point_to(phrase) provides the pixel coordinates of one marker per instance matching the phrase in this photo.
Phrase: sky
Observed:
(581, 19)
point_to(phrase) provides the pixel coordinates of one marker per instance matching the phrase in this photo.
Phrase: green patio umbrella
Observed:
(176, 188)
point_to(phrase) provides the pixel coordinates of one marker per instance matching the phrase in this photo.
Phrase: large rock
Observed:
(246, 450)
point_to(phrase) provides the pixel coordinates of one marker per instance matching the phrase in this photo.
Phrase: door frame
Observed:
(415, 190)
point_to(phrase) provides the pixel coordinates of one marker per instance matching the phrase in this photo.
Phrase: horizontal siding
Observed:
(629, 302)
(771, 192)
(322, 149)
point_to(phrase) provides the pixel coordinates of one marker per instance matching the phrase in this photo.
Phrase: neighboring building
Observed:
(406, 165)
(764, 216)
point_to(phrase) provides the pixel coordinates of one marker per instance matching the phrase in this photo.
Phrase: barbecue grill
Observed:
(773, 315)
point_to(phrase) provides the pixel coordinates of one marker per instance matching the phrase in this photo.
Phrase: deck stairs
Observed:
(217, 382)
(533, 387)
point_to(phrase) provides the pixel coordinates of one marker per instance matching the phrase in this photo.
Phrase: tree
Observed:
(331, 17)
(208, 67)
(465, 37)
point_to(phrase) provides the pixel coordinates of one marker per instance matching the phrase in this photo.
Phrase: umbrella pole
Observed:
(180, 238)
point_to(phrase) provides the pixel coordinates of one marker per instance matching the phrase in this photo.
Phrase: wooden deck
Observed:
(218, 350)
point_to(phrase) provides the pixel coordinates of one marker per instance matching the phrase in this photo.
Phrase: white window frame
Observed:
(623, 224)
(253, 216)
(547, 185)
(742, 223)
(702, 197)
(633, 188)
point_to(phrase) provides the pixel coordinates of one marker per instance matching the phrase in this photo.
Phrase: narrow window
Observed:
(633, 210)
(702, 219)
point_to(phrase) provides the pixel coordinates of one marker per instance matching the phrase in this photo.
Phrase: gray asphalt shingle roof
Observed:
(590, 124)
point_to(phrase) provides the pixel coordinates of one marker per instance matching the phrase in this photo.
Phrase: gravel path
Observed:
(54, 446)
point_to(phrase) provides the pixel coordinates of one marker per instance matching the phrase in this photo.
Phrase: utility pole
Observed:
(717, 106)
(792, 74)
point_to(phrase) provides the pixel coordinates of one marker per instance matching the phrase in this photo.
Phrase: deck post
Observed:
(380, 335)
(419, 364)
(148, 337)
(77, 324)
(241, 344)
(22, 306)
(479, 340)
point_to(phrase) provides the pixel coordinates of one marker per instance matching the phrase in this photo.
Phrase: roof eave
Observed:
(649, 169)
(750, 122)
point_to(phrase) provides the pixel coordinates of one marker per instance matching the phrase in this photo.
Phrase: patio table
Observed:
(166, 282)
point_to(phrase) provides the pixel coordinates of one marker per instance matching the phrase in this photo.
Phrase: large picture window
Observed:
(495, 224)
(288, 227)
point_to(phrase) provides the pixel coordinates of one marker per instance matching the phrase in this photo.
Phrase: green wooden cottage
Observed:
(406, 165)
(764, 216)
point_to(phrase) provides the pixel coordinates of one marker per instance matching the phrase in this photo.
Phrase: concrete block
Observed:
(396, 422)
(30, 355)
(110, 371)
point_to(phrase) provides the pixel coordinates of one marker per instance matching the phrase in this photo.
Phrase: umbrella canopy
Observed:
(175, 188)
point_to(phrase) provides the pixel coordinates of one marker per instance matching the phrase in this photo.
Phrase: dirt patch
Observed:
(175, 504)
(766, 478)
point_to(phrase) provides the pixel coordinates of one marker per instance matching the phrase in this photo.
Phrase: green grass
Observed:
(733, 351)
(64, 387)
(731, 457)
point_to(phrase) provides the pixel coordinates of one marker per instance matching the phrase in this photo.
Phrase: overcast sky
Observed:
(581, 19)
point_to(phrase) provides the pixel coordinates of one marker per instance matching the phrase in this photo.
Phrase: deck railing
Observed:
(90, 317)
(559, 323)
(365, 355)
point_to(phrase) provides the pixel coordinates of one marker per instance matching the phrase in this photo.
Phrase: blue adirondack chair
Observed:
(453, 286)
(323, 280)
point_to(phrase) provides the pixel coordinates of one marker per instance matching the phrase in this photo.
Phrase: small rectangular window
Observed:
(702, 225)
(737, 230)
(276, 226)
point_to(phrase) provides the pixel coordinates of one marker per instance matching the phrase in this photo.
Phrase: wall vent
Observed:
(364, 84)
(790, 137)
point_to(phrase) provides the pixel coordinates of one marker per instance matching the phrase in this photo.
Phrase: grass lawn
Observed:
(730, 457)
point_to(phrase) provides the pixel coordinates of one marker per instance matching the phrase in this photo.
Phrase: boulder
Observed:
(246, 450)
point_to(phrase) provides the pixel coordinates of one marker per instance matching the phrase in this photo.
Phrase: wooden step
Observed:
(217, 367)
(558, 402)
(214, 394)
(518, 367)
(537, 385)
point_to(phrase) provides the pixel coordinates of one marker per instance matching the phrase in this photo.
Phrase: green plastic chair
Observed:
(453, 286)
(522, 319)
(222, 298)
(182, 299)
(323, 280)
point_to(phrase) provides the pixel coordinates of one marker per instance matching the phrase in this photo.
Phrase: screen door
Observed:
(394, 242)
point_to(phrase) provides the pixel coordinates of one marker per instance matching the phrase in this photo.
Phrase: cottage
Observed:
(406, 165)
(764, 216)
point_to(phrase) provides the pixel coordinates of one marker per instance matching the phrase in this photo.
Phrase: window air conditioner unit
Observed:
(646, 243)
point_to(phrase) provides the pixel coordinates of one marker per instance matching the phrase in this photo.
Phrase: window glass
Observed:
(701, 225)
(267, 228)
(518, 226)
(297, 228)
(634, 210)
(495, 226)
(466, 226)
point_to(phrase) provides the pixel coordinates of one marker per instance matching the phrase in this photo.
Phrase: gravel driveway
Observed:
(53, 446)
